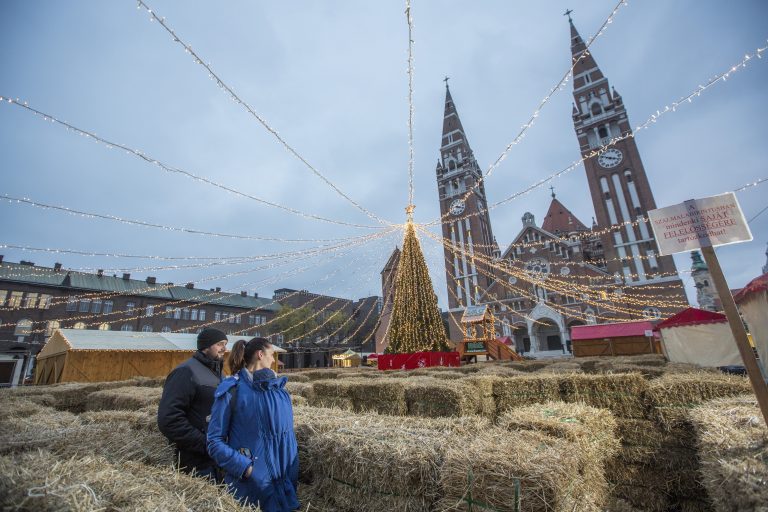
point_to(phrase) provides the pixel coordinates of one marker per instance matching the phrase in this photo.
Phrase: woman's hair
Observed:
(243, 352)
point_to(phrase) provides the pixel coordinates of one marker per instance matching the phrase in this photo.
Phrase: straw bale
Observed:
(641, 360)
(481, 471)
(96, 483)
(331, 393)
(649, 372)
(499, 370)
(129, 398)
(378, 395)
(483, 389)
(692, 505)
(688, 368)
(18, 433)
(518, 391)
(563, 367)
(20, 406)
(733, 448)
(592, 429)
(298, 400)
(530, 365)
(435, 398)
(469, 369)
(645, 499)
(334, 495)
(295, 377)
(397, 465)
(141, 419)
(299, 388)
(311, 500)
(621, 394)
(671, 397)
(619, 505)
(448, 375)
(323, 374)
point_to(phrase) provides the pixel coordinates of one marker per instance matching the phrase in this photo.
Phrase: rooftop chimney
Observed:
(29, 263)
(151, 280)
(100, 272)
(256, 294)
(243, 293)
(1, 258)
(189, 286)
(126, 276)
(218, 288)
(57, 267)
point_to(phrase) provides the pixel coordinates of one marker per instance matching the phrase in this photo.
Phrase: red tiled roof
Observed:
(617, 330)
(692, 316)
(560, 219)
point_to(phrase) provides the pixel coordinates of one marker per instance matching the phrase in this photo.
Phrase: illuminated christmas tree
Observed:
(416, 324)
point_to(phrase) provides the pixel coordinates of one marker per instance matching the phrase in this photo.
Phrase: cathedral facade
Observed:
(559, 273)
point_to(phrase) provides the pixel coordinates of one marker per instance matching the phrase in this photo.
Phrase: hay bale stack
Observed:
(372, 468)
(530, 365)
(37, 430)
(563, 367)
(382, 396)
(671, 397)
(141, 419)
(649, 372)
(483, 389)
(325, 374)
(295, 377)
(621, 394)
(124, 398)
(435, 398)
(447, 375)
(656, 360)
(482, 472)
(518, 391)
(96, 483)
(298, 400)
(499, 370)
(733, 447)
(331, 393)
(300, 389)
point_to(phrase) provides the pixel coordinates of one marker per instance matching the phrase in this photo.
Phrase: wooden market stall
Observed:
(348, 359)
(614, 339)
(80, 355)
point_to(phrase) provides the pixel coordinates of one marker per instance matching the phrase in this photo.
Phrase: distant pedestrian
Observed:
(251, 435)
(185, 407)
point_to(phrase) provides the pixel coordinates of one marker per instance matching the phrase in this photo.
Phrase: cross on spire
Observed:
(568, 13)
(446, 80)
(552, 188)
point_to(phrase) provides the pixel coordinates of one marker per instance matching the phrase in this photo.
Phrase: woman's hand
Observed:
(248, 472)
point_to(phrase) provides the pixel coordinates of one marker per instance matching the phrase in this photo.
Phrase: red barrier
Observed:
(418, 360)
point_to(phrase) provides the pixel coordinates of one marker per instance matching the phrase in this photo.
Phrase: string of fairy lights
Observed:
(237, 99)
(652, 119)
(332, 248)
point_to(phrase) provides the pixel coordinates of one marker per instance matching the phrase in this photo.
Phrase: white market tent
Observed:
(700, 337)
(753, 303)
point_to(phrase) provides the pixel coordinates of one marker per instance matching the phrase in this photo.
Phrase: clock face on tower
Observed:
(457, 207)
(611, 158)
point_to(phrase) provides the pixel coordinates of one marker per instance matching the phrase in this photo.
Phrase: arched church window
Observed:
(602, 132)
(596, 109)
(451, 165)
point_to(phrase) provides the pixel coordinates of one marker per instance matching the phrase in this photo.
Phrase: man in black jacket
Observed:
(185, 406)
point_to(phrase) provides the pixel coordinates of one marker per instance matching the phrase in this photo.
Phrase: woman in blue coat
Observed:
(250, 435)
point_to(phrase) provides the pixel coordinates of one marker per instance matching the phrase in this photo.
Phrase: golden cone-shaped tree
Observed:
(415, 325)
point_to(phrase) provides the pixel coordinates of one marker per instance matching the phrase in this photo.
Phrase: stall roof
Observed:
(85, 339)
(614, 330)
(758, 284)
(692, 316)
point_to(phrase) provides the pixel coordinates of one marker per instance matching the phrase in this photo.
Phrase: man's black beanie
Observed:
(208, 337)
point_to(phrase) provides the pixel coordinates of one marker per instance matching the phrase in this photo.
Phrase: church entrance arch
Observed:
(522, 338)
(548, 335)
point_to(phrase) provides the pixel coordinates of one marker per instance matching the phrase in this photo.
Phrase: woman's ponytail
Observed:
(237, 357)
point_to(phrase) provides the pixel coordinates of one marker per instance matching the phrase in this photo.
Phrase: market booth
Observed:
(80, 355)
(614, 339)
(348, 359)
(753, 304)
(699, 337)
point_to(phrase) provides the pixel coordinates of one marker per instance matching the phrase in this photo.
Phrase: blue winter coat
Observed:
(258, 432)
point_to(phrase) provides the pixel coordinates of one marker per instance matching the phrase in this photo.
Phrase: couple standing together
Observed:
(241, 427)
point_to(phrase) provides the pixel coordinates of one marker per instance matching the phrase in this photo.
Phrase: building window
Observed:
(79, 325)
(149, 310)
(129, 307)
(107, 307)
(168, 312)
(166, 328)
(96, 306)
(185, 314)
(104, 327)
(23, 327)
(193, 315)
(45, 301)
(3, 295)
(30, 301)
(71, 304)
(15, 300)
(251, 320)
(126, 327)
(202, 315)
(146, 328)
(217, 316)
(50, 326)
(177, 314)
(651, 313)
(85, 305)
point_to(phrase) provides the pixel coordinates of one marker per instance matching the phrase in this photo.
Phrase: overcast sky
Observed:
(330, 77)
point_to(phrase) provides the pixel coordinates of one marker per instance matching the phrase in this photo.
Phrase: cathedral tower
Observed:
(464, 209)
(617, 180)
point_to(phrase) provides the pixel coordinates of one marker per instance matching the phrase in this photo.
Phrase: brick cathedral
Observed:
(558, 273)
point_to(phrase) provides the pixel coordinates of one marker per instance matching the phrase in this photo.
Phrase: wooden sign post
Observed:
(704, 224)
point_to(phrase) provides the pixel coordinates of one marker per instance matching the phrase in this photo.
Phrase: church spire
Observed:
(454, 137)
(580, 55)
